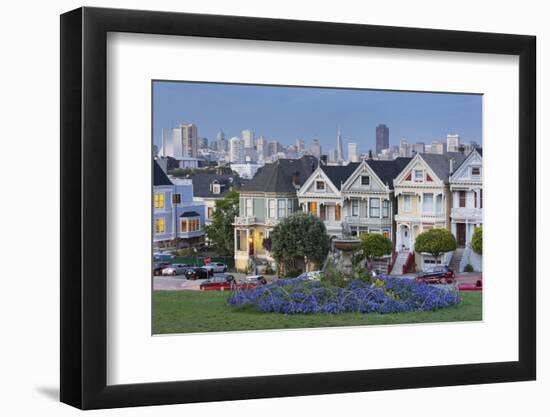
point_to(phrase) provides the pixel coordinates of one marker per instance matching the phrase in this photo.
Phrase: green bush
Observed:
(468, 268)
(477, 240)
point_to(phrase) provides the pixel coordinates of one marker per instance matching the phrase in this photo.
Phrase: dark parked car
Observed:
(436, 275)
(158, 267)
(198, 273)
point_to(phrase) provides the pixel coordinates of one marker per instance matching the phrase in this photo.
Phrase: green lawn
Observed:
(197, 311)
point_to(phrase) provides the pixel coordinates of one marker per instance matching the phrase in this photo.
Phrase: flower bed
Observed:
(387, 295)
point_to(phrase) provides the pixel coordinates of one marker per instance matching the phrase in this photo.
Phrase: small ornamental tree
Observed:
(220, 231)
(435, 242)
(301, 236)
(375, 246)
(477, 240)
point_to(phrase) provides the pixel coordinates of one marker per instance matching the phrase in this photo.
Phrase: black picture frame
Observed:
(84, 207)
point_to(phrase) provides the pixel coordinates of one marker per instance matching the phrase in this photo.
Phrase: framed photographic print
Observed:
(258, 208)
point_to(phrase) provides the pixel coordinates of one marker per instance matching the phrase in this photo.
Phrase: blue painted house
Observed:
(178, 221)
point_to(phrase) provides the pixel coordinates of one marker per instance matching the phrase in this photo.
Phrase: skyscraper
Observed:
(419, 147)
(316, 148)
(339, 149)
(300, 145)
(437, 147)
(453, 142)
(405, 148)
(261, 148)
(382, 138)
(248, 138)
(352, 152)
(236, 150)
(222, 143)
(180, 141)
(190, 139)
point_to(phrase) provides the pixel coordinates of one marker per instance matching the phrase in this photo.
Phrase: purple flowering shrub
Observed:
(386, 295)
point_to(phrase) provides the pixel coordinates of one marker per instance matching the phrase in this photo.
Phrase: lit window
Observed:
(210, 212)
(320, 185)
(386, 234)
(183, 225)
(159, 225)
(374, 207)
(365, 180)
(216, 189)
(159, 200)
(338, 212)
(312, 207)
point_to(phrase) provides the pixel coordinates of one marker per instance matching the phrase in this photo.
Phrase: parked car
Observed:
(471, 286)
(436, 275)
(158, 256)
(216, 267)
(219, 283)
(176, 269)
(256, 279)
(198, 273)
(158, 267)
(311, 275)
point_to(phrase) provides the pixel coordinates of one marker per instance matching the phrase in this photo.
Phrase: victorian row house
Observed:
(355, 198)
(178, 221)
(266, 199)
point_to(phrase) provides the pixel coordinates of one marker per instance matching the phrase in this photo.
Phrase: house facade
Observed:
(263, 202)
(209, 188)
(466, 185)
(355, 198)
(178, 221)
(424, 199)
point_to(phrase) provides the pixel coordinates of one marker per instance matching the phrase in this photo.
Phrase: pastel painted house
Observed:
(466, 184)
(178, 221)
(424, 201)
(264, 201)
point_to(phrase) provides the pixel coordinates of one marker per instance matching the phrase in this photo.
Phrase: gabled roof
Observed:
(475, 150)
(440, 164)
(159, 176)
(338, 174)
(202, 184)
(277, 176)
(190, 214)
(388, 170)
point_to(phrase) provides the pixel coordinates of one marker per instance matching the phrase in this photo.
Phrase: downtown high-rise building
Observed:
(339, 148)
(248, 138)
(221, 142)
(418, 147)
(382, 138)
(353, 155)
(236, 150)
(453, 142)
(315, 148)
(261, 148)
(405, 148)
(437, 147)
(180, 142)
(300, 145)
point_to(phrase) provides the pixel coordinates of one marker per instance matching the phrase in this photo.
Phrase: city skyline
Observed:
(287, 114)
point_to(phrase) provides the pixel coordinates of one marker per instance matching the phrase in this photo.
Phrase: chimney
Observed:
(451, 165)
(370, 153)
(296, 179)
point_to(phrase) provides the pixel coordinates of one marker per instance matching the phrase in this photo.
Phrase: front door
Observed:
(461, 234)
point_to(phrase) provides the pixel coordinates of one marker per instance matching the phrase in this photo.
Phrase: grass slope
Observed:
(197, 311)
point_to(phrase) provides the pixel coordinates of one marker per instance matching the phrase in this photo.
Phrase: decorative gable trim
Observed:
(407, 173)
(364, 169)
(318, 173)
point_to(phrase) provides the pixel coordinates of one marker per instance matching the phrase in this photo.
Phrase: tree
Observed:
(301, 236)
(374, 246)
(220, 231)
(435, 242)
(477, 240)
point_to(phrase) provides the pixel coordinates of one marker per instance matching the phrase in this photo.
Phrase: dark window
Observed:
(462, 198)
(365, 180)
(176, 198)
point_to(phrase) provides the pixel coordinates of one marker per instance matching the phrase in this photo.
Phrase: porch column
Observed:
(235, 239)
(247, 242)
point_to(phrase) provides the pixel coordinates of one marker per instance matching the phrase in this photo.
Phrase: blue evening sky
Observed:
(288, 113)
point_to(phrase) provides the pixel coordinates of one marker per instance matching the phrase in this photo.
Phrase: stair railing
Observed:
(408, 263)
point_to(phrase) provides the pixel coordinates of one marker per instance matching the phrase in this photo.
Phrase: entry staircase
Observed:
(400, 261)
(455, 260)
